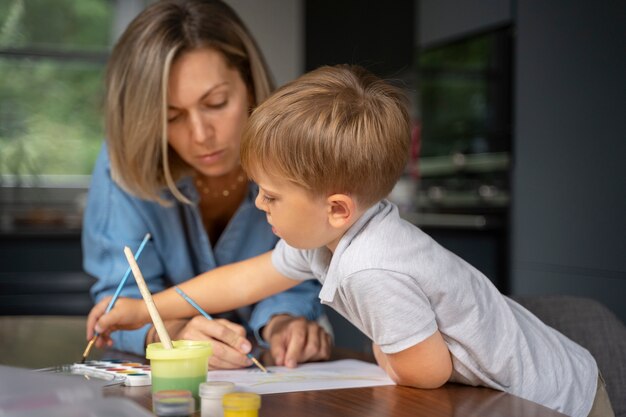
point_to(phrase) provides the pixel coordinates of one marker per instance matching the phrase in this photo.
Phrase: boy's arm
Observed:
(221, 289)
(425, 365)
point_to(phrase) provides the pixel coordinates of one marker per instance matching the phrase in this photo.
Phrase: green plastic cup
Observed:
(182, 368)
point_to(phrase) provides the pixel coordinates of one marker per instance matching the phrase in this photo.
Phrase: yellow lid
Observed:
(183, 349)
(241, 401)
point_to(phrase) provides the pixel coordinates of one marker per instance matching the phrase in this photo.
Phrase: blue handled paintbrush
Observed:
(206, 315)
(115, 296)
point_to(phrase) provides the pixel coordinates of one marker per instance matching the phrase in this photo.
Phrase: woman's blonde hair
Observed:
(136, 86)
(334, 130)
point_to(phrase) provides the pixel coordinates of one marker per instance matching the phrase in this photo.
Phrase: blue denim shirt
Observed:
(179, 249)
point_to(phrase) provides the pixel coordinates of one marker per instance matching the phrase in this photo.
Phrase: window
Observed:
(52, 59)
(465, 90)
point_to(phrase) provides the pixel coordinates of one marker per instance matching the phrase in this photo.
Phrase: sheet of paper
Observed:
(346, 373)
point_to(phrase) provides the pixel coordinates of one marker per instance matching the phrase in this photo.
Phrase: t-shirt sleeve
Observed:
(291, 262)
(391, 308)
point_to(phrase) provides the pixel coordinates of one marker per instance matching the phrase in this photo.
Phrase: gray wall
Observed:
(569, 231)
(569, 185)
(278, 27)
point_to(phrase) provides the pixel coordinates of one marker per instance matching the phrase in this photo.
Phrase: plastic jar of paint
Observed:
(211, 394)
(173, 403)
(241, 404)
(182, 368)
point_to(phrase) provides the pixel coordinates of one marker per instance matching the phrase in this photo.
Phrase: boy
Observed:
(325, 150)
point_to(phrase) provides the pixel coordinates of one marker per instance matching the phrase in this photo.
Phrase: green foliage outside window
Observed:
(454, 83)
(52, 58)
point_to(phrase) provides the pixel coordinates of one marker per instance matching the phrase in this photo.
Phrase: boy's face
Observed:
(294, 214)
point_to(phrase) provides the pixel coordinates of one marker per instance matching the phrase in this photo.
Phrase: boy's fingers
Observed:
(225, 357)
(225, 338)
(237, 328)
(233, 336)
(222, 330)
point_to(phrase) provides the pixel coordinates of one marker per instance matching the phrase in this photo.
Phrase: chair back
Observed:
(593, 326)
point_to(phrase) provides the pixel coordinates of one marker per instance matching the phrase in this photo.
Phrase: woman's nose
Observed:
(199, 129)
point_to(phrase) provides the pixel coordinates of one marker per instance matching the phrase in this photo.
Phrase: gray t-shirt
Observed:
(397, 285)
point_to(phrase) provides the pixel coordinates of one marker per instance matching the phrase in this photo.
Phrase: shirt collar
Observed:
(331, 281)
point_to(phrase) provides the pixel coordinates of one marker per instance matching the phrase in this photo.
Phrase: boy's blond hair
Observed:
(334, 130)
(142, 162)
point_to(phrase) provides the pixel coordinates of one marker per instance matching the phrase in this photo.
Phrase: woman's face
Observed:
(208, 105)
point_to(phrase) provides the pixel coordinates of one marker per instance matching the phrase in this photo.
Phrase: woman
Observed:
(181, 82)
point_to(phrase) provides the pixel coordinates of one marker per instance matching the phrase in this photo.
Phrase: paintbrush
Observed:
(147, 298)
(206, 315)
(115, 296)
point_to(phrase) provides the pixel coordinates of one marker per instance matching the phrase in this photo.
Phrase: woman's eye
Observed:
(267, 199)
(171, 118)
(216, 105)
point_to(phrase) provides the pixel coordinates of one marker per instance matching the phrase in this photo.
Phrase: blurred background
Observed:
(518, 147)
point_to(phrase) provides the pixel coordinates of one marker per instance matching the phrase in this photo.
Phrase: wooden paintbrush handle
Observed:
(147, 297)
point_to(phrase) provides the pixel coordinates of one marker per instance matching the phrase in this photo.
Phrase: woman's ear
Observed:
(341, 210)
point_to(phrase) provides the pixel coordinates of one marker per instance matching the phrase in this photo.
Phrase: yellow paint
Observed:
(241, 404)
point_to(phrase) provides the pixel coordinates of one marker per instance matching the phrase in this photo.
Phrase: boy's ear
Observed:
(341, 210)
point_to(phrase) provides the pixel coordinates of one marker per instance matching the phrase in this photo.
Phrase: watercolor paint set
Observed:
(111, 371)
(128, 373)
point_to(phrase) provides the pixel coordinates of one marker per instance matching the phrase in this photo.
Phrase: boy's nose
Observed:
(258, 202)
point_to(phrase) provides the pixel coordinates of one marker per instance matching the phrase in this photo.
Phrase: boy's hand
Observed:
(295, 340)
(228, 340)
(127, 314)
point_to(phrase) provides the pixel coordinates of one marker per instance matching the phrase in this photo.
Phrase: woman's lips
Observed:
(210, 158)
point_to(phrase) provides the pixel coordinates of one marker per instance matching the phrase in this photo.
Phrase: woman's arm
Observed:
(112, 220)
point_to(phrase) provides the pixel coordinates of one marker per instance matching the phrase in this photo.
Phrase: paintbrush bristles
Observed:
(257, 363)
(88, 348)
(147, 298)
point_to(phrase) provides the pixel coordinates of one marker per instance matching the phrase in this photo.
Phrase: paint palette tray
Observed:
(131, 374)
(111, 371)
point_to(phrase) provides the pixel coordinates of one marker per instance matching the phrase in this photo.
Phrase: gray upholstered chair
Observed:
(593, 326)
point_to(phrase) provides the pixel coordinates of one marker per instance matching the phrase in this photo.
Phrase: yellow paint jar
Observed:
(182, 368)
(241, 404)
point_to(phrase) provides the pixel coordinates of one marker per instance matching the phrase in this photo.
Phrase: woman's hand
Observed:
(228, 340)
(294, 340)
(128, 314)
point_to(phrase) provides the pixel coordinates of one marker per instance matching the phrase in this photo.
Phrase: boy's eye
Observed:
(267, 199)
